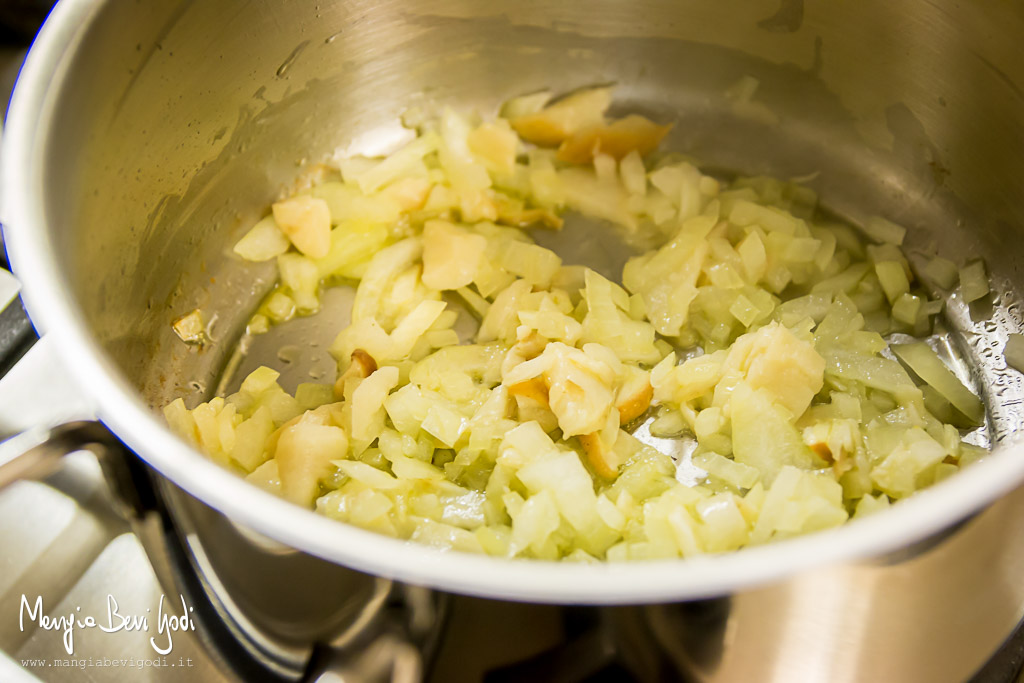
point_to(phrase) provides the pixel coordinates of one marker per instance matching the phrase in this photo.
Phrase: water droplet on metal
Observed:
(289, 353)
(287, 63)
(211, 325)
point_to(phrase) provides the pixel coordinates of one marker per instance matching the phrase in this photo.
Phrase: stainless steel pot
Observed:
(145, 137)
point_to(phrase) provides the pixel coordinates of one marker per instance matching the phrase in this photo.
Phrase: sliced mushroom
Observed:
(362, 365)
(823, 451)
(616, 139)
(601, 456)
(525, 218)
(558, 121)
(634, 397)
(535, 389)
(530, 346)
(834, 442)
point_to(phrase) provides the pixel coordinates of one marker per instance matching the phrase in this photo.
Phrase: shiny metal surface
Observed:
(273, 613)
(9, 288)
(935, 616)
(277, 603)
(143, 139)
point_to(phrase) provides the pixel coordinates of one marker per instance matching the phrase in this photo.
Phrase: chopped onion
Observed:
(1014, 351)
(751, 331)
(885, 231)
(920, 358)
(973, 281)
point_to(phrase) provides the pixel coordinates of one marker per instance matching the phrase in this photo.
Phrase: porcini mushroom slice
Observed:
(362, 365)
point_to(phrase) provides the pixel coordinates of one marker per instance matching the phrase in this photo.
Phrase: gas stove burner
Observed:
(275, 614)
(673, 642)
(641, 644)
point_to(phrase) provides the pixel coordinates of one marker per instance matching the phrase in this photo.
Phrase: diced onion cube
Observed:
(263, 242)
(973, 281)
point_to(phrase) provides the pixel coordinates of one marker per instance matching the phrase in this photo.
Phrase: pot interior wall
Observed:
(176, 124)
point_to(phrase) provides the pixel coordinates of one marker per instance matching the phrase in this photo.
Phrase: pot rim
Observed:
(48, 297)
